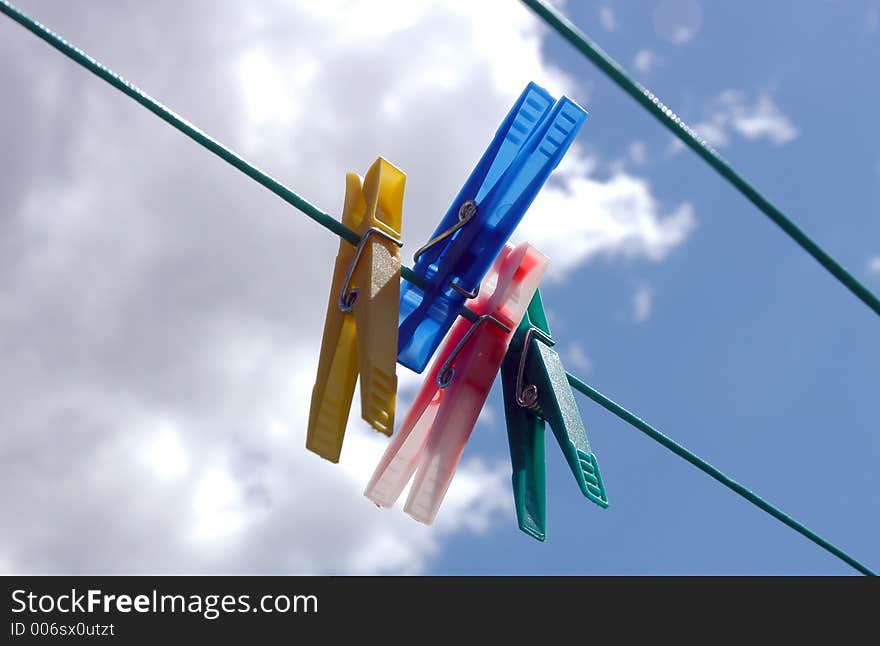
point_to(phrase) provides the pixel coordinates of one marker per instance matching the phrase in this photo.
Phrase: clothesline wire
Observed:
(704, 466)
(350, 236)
(680, 129)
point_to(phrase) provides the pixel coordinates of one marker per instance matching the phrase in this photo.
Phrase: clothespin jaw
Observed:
(360, 329)
(433, 435)
(528, 145)
(536, 391)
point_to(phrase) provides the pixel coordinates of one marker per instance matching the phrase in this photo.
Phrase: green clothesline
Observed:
(680, 129)
(347, 234)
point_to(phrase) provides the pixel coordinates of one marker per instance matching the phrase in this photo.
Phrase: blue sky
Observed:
(752, 356)
(160, 314)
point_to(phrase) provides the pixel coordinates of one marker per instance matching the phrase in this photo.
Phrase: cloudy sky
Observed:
(160, 313)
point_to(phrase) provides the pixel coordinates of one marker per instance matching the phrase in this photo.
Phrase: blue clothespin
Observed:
(528, 145)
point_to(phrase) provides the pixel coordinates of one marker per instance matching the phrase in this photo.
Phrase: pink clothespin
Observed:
(437, 427)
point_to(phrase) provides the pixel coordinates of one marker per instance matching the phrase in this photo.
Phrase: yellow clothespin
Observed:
(360, 331)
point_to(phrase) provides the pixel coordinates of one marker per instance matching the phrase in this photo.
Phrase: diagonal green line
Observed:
(184, 126)
(668, 118)
(336, 227)
(634, 420)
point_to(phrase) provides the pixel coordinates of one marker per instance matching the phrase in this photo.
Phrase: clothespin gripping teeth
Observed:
(360, 329)
(536, 391)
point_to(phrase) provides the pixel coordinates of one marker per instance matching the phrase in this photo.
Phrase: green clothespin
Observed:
(536, 391)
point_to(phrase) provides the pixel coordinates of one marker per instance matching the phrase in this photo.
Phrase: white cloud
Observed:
(762, 120)
(678, 21)
(644, 60)
(587, 217)
(576, 356)
(164, 453)
(874, 265)
(643, 303)
(638, 152)
(160, 313)
(732, 113)
(607, 19)
(682, 34)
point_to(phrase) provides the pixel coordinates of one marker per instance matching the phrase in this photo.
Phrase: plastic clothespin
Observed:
(437, 427)
(528, 145)
(536, 390)
(360, 330)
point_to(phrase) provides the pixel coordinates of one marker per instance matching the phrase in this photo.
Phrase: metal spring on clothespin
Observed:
(447, 370)
(527, 396)
(346, 297)
(466, 213)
